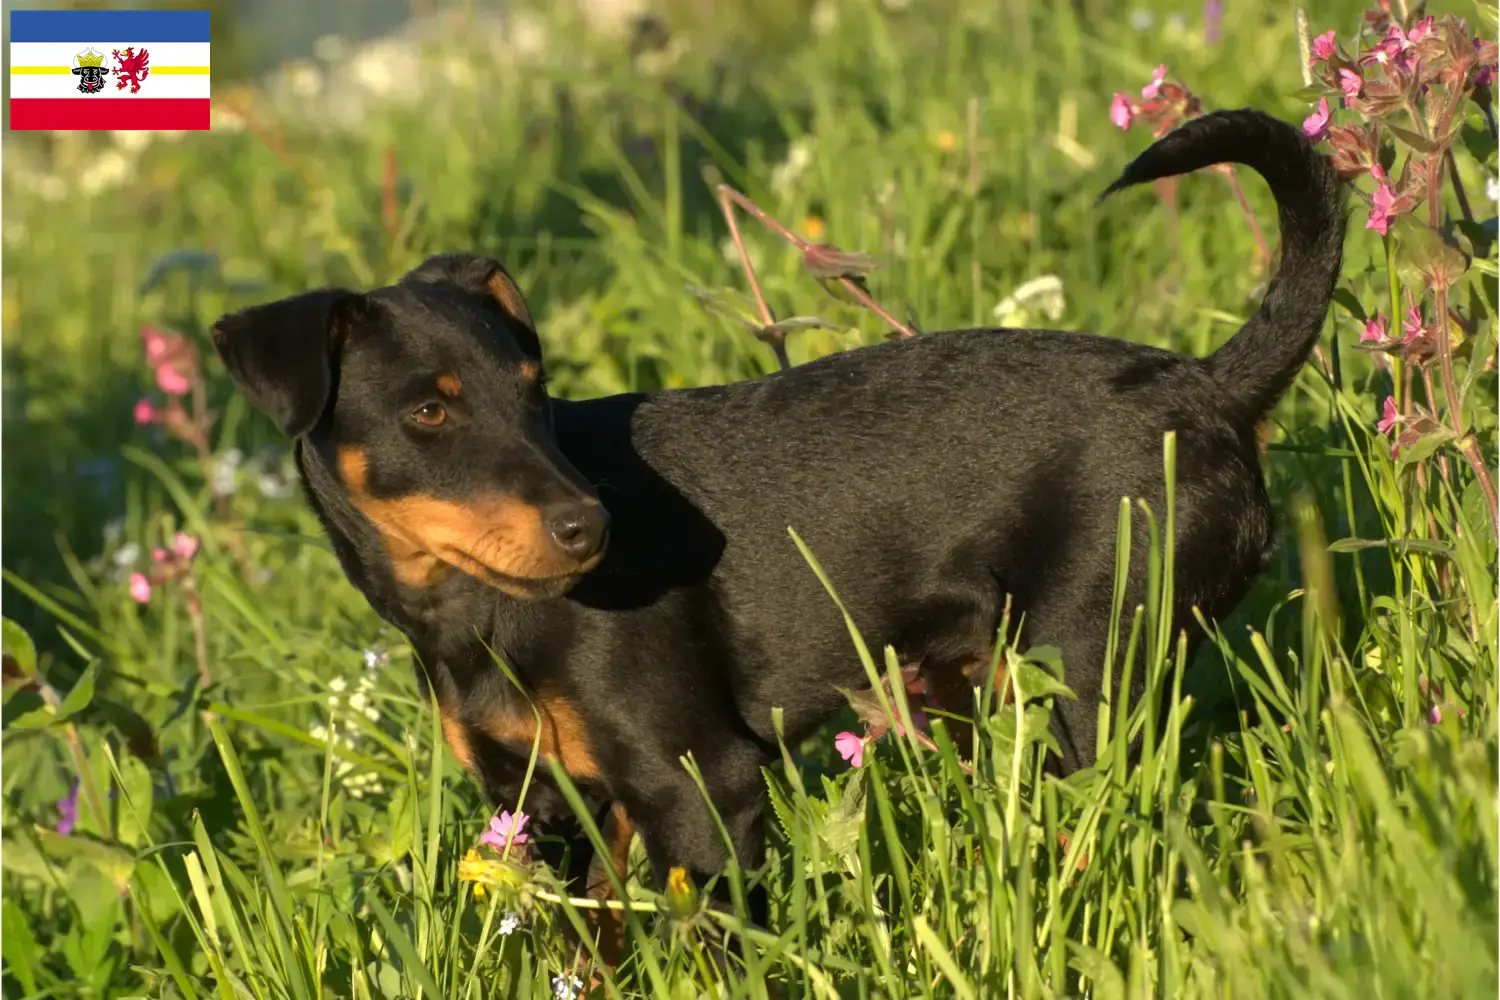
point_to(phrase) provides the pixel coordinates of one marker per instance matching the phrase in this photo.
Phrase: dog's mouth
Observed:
(530, 588)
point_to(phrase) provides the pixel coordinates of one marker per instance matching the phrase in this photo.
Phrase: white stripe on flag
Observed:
(62, 53)
(41, 85)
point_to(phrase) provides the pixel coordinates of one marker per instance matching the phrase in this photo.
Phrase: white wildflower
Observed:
(224, 482)
(329, 48)
(825, 17)
(731, 253)
(50, 187)
(1041, 296)
(566, 987)
(1142, 20)
(508, 924)
(132, 140)
(273, 487)
(528, 34)
(127, 554)
(304, 80)
(798, 158)
(1492, 188)
(109, 169)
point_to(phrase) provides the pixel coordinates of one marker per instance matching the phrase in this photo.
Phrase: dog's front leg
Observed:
(679, 831)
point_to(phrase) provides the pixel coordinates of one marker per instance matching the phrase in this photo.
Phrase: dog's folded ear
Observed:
(281, 354)
(482, 276)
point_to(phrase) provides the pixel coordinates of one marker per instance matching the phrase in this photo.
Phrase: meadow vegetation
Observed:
(219, 777)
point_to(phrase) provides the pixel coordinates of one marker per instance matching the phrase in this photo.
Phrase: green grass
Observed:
(293, 827)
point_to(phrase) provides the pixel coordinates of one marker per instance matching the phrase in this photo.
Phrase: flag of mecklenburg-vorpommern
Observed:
(109, 69)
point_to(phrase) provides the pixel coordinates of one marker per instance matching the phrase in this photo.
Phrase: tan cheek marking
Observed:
(563, 735)
(530, 370)
(422, 534)
(450, 385)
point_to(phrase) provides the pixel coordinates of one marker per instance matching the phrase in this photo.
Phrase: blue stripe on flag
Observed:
(123, 27)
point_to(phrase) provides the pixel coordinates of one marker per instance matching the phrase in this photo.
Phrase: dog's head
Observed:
(426, 400)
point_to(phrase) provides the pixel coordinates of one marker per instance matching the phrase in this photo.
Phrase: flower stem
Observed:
(728, 198)
(1260, 240)
(1458, 186)
(1467, 445)
(80, 759)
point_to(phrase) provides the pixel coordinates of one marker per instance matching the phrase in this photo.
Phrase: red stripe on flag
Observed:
(67, 113)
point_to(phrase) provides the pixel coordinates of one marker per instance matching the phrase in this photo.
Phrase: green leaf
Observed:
(1423, 447)
(1489, 14)
(840, 828)
(1107, 980)
(83, 692)
(1350, 302)
(20, 856)
(1423, 257)
(18, 647)
(1479, 141)
(19, 946)
(1039, 674)
(113, 862)
(1400, 545)
(1311, 93)
(195, 262)
(1420, 143)
(135, 810)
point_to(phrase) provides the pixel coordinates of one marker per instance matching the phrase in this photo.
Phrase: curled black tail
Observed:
(1259, 362)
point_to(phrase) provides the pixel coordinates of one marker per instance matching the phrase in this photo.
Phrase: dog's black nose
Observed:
(577, 529)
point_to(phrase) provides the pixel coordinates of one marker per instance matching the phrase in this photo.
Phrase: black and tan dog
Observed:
(628, 557)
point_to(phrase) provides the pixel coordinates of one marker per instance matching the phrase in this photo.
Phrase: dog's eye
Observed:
(431, 415)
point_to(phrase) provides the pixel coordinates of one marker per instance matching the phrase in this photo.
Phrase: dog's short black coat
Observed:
(930, 477)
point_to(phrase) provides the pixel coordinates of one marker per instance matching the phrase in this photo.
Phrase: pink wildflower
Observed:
(1351, 83)
(144, 412)
(1322, 47)
(1315, 126)
(1375, 330)
(1412, 325)
(1381, 211)
(1150, 90)
(1420, 30)
(67, 811)
(159, 555)
(851, 748)
(185, 546)
(158, 346)
(171, 381)
(140, 588)
(1435, 716)
(506, 829)
(1120, 111)
(1390, 416)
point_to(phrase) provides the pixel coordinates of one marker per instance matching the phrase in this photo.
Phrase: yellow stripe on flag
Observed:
(66, 70)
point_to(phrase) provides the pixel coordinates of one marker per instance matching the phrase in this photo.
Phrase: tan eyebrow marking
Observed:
(449, 385)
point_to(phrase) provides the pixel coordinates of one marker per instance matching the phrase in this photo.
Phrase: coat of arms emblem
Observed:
(89, 67)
